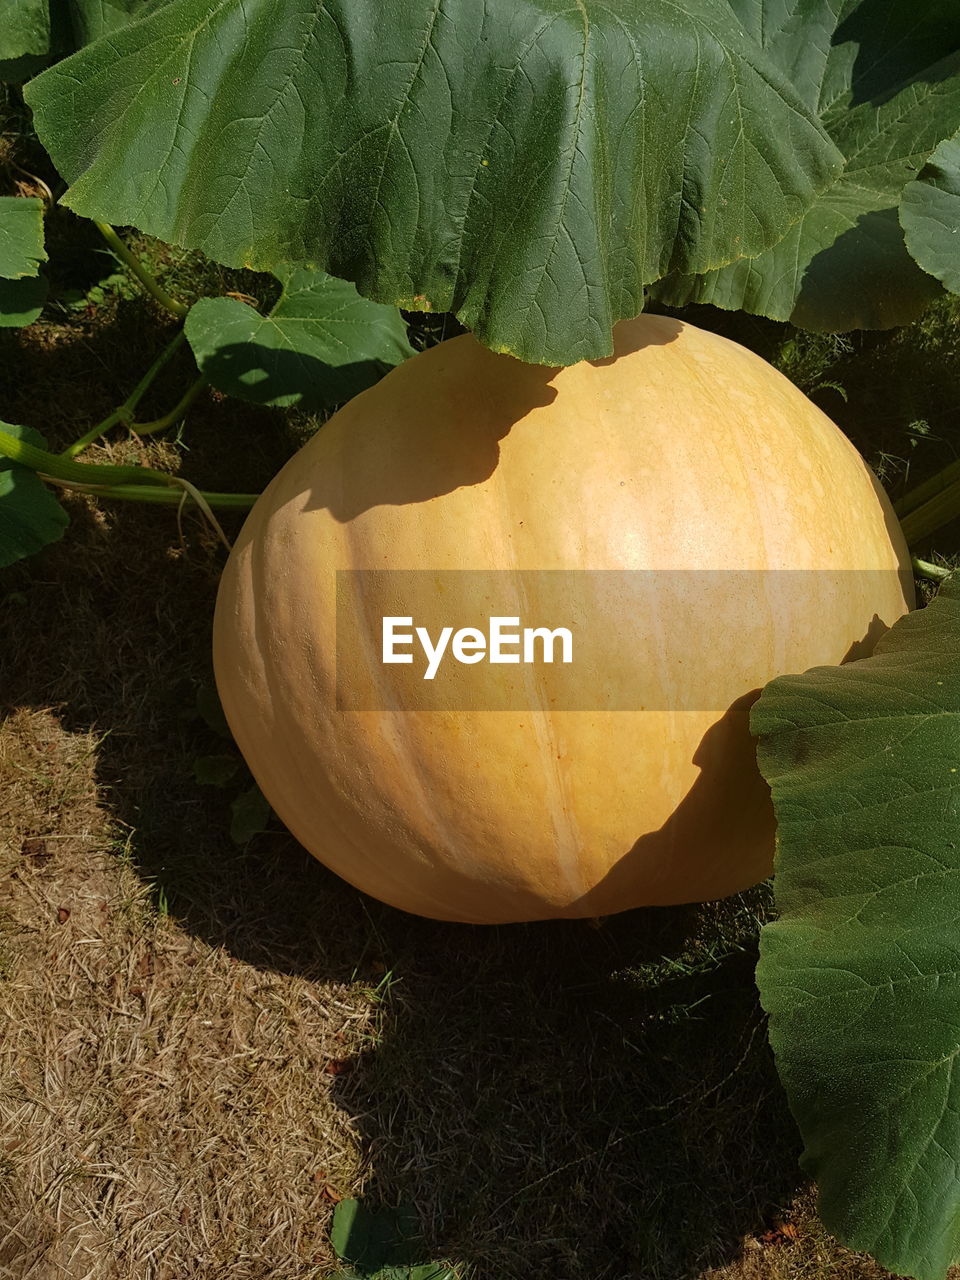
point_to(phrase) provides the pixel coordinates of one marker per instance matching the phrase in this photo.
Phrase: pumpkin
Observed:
(684, 454)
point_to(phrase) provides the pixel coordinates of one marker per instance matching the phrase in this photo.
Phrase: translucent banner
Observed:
(583, 640)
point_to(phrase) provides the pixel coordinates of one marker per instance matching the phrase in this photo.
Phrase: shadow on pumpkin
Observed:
(412, 439)
(726, 811)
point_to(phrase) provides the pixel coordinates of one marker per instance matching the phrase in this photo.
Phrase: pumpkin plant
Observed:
(539, 169)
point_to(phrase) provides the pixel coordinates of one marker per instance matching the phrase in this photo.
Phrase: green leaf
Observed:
(21, 301)
(21, 236)
(30, 516)
(861, 972)
(320, 345)
(22, 291)
(250, 813)
(371, 1239)
(930, 214)
(784, 31)
(529, 166)
(25, 30)
(888, 92)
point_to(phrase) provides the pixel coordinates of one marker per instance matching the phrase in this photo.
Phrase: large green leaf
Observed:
(787, 30)
(21, 236)
(529, 164)
(24, 29)
(30, 516)
(930, 214)
(888, 90)
(321, 343)
(861, 972)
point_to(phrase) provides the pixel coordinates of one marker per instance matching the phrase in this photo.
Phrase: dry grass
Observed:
(166, 1110)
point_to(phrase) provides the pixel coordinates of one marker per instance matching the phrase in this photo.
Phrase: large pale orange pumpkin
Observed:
(683, 452)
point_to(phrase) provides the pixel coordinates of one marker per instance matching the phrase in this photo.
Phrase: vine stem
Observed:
(922, 493)
(935, 572)
(175, 414)
(929, 506)
(178, 492)
(124, 412)
(58, 467)
(170, 495)
(136, 484)
(931, 515)
(156, 290)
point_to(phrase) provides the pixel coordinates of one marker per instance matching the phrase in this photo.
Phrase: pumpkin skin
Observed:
(682, 451)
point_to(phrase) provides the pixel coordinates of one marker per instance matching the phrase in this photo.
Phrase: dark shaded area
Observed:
(865, 277)
(622, 1088)
(890, 43)
(23, 298)
(270, 376)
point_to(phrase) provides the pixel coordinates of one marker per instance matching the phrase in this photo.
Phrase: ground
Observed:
(206, 1045)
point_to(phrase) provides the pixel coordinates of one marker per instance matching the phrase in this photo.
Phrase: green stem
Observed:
(130, 261)
(124, 412)
(111, 420)
(935, 572)
(61, 468)
(929, 516)
(167, 495)
(128, 483)
(922, 493)
(175, 414)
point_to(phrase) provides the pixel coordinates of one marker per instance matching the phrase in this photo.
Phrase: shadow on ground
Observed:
(557, 1099)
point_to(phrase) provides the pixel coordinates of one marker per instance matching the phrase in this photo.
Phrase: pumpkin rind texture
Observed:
(683, 451)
